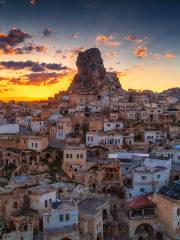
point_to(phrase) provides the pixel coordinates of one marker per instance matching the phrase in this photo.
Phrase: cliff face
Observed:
(91, 74)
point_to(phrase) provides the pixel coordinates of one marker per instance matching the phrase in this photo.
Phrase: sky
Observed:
(40, 41)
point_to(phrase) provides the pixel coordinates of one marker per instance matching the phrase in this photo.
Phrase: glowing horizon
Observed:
(38, 56)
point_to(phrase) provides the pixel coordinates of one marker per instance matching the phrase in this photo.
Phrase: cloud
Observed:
(75, 51)
(75, 36)
(32, 66)
(129, 70)
(141, 52)
(33, 2)
(158, 56)
(169, 55)
(47, 32)
(30, 48)
(134, 39)
(130, 38)
(122, 73)
(37, 79)
(14, 37)
(3, 78)
(2, 2)
(103, 40)
(111, 54)
(58, 51)
(11, 43)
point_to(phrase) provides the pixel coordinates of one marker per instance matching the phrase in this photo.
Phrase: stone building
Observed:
(141, 218)
(93, 217)
(19, 228)
(60, 221)
(74, 161)
(11, 202)
(167, 201)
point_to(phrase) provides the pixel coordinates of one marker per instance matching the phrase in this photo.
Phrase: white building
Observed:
(173, 154)
(40, 197)
(11, 128)
(96, 139)
(112, 125)
(64, 127)
(150, 176)
(154, 136)
(37, 125)
(55, 117)
(24, 120)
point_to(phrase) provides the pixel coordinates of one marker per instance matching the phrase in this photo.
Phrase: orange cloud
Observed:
(158, 56)
(169, 55)
(38, 79)
(134, 39)
(141, 52)
(111, 54)
(103, 40)
(130, 38)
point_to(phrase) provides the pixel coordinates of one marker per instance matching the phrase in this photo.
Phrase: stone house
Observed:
(167, 201)
(93, 217)
(74, 160)
(60, 221)
(142, 219)
(40, 197)
(63, 128)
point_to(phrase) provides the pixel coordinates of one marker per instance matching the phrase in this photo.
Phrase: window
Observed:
(61, 218)
(178, 211)
(77, 155)
(67, 155)
(15, 205)
(158, 176)
(142, 189)
(81, 155)
(143, 177)
(46, 203)
(70, 155)
(67, 217)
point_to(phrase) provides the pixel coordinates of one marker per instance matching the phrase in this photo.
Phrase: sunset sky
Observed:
(40, 40)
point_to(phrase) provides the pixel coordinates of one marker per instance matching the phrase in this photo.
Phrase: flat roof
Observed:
(91, 205)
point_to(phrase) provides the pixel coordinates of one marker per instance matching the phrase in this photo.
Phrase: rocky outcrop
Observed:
(92, 75)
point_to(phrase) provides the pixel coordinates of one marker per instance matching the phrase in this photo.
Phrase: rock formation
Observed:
(92, 75)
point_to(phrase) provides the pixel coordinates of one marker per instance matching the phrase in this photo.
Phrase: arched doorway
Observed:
(48, 157)
(94, 186)
(159, 236)
(32, 159)
(127, 182)
(105, 215)
(176, 178)
(99, 237)
(12, 226)
(144, 232)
